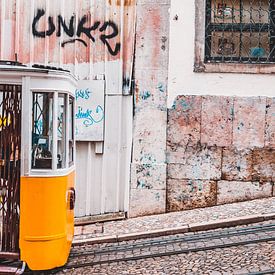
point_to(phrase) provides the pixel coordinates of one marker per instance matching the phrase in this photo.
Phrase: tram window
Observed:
(71, 131)
(61, 132)
(42, 130)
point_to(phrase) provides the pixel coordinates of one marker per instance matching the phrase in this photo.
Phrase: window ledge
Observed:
(234, 68)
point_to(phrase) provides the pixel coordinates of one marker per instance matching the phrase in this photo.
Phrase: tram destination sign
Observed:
(89, 111)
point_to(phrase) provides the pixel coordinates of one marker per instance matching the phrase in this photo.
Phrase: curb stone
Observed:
(193, 227)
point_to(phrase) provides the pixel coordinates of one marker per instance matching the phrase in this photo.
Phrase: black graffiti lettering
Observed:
(71, 30)
(104, 38)
(68, 30)
(82, 29)
(50, 31)
(72, 41)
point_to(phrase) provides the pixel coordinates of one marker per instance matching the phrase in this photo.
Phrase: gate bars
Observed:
(10, 144)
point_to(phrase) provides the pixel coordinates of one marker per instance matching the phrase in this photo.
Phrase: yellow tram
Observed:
(37, 147)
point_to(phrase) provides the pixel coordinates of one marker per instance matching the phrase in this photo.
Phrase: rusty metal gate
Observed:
(10, 147)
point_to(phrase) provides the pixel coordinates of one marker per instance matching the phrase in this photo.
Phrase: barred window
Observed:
(240, 31)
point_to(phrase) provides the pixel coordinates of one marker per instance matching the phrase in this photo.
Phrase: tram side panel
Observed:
(46, 220)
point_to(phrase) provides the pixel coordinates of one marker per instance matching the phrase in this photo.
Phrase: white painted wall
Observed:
(182, 79)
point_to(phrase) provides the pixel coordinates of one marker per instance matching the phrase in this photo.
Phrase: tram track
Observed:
(193, 238)
(88, 256)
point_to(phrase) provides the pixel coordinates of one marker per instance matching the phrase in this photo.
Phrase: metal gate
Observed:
(10, 147)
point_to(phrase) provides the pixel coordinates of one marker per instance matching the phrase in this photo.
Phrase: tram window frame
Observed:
(71, 132)
(61, 136)
(42, 143)
(68, 141)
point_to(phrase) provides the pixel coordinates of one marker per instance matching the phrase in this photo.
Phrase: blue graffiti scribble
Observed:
(81, 93)
(174, 105)
(89, 116)
(145, 95)
(185, 106)
(161, 87)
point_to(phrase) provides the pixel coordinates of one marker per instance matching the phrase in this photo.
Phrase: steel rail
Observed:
(203, 236)
(161, 254)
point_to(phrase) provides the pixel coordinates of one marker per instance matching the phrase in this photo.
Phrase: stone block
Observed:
(195, 163)
(149, 141)
(152, 36)
(189, 194)
(235, 191)
(147, 176)
(184, 122)
(147, 202)
(150, 89)
(249, 122)
(270, 123)
(216, 120)
(263, 165)
(236, 164)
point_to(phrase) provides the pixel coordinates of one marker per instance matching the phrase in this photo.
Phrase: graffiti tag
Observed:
(73, 29)
(89, 117)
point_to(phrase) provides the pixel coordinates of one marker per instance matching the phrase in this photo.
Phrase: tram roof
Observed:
(16, 68)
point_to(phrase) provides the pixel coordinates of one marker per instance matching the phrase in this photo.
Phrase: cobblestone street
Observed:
(238, 250)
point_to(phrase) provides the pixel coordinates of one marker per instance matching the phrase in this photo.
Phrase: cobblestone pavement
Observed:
(239, 250)
(176, 219)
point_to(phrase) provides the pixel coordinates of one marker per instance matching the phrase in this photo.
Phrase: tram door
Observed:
(10, 145)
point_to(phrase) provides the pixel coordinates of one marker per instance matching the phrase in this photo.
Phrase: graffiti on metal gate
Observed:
(74, 30)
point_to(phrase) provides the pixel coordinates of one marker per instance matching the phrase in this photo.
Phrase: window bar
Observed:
(208, 30)
(260, 37)
(54, 131)
(271, 30)
(67, 128)
(241, 33)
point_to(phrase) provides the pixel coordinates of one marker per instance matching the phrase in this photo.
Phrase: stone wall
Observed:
(148, 167)
(219, 150)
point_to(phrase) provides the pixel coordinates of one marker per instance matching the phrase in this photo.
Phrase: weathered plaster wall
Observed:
(148, 168)
(221, 126)
(219, 150)
(182, 79)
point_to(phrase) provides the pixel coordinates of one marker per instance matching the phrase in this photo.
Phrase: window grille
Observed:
(241, 31)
